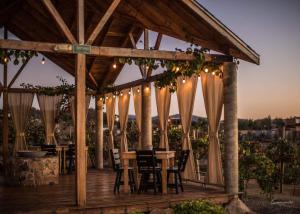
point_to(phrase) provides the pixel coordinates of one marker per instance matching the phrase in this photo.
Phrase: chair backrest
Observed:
(71, 151)
(51, 149)
(115, 159)
(182, 159)
(146, 160)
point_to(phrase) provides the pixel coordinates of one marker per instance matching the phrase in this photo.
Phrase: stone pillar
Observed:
(231, 171)
(99, 133)
(146, 132)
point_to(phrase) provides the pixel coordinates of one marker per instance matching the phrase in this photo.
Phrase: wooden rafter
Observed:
(108, 51)
(103, 21)
(18, 72)
(158, 41)
(59, 20)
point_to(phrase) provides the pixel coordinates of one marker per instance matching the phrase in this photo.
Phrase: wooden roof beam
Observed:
(106, 51)
(59, 20)
(103, 21)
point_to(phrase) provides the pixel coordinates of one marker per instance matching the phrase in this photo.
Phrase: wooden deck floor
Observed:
(100, 198)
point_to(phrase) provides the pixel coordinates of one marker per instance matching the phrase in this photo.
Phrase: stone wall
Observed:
(36, 171)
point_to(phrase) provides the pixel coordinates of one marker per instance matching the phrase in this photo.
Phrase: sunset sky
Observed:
(270, 27)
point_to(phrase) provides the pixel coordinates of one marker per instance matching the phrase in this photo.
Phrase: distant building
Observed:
(292, 128)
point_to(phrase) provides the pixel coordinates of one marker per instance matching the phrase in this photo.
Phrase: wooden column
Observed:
(230, 128)
(146, 131)
(80, 124)
(99, 132)
(5, 114)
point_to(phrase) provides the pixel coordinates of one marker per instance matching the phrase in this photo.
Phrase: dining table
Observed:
(166, 158)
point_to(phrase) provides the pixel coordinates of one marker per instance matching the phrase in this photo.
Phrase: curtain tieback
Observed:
(162, 132)
(185, 135)
(123, 132)
(50, 135)
(21, 134)
(212, 134)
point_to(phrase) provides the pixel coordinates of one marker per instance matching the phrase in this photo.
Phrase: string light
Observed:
(121, 94)
(129, 92)
(101, 98)
(213, 73)
(114, 96)
(5, 59)
(43, 60)
(147, 67)
(107, 97)
(138, 90)
(206, 70)
(114, 66)
(199, 77)
(183, 80)
(177, 69)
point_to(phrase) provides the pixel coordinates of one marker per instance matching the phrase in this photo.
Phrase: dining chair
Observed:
(71, 158)
(147, 167)
(181, 161)
(116, 163)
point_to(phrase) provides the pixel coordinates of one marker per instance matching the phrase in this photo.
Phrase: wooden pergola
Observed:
(85, 37)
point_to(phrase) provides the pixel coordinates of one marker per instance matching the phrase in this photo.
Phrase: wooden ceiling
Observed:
(183, 19)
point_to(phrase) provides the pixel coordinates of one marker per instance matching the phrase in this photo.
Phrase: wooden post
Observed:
(231, 172)
(99, 132)
(5, 114)
(80, 124)
(146, 131)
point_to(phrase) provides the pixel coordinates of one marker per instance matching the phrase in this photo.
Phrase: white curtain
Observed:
(123, 106)
(212, 88)
(72, 106)
(49, 106)
(163, 100)
(137, 100)
(186, 91)
(20, 107)
(110, 115)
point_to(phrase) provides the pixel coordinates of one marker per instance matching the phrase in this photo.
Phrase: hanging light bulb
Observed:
(138, 90)
(199, 76)
(121, 94)
(206, 70)
(213, 73)
(43, 60)
(147, 67)
(107, 97)
(114, 96)
(177, 69)
(183, 80)
(5, 59)
(129, 92)
(114, 66)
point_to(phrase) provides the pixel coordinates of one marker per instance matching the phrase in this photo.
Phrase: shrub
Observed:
(198, 206)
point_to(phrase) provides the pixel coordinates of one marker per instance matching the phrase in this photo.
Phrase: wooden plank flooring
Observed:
(100, 198)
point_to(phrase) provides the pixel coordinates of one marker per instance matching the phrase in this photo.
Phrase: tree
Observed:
(281, 151)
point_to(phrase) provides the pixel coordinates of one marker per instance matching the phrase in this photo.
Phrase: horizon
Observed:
(268, 89)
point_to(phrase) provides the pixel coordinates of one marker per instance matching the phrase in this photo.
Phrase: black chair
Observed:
(51, 149)
(177, 170)
(116, 162)
(147, 167)
(71, 158)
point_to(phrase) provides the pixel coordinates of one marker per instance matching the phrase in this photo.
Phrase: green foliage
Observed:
(175, 135)
(16, 55)
(200, 147)
(281, 150)
(265, 174)
(198, 206)
(176, 68)
(255, 165)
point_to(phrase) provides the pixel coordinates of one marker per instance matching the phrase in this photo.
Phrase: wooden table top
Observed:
(158, 154)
